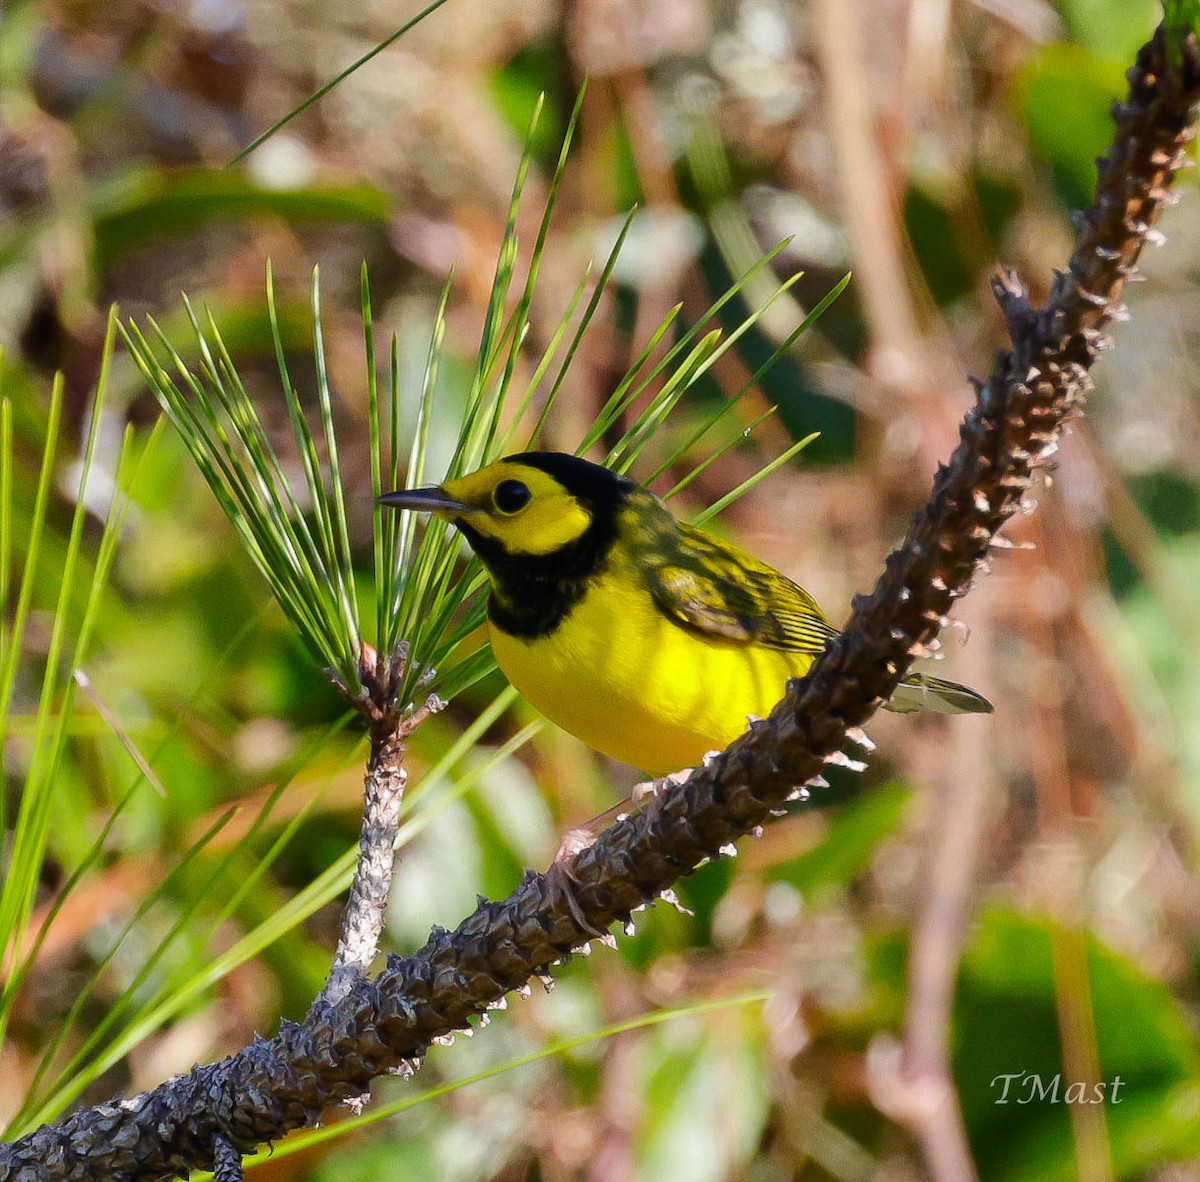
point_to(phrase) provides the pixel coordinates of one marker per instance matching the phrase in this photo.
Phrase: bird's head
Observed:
(529, 505)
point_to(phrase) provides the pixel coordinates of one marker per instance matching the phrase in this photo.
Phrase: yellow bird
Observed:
(649, 639)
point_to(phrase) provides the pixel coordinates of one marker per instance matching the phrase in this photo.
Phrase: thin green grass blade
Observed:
(45, 1101)
(16, 631)
(543, 367)
(467, 671)
(394, 376)
(340, 561)
(183, 988)
(502, 333)
(30, 827)
(525, 302)
(814, 314)
(410, 576)
(724, 449)
(381, 539)
(626, 392)
(322, 91)
(32, 823)
(645, 426)
(584, 323)
(299, 1142)
(784, 346)
(625, 451)
(6, 521)
(693, 367)
(622, 396)
(724, 502)
(393, 557)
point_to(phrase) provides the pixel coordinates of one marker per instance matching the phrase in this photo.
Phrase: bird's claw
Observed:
(648, 789)
(561, 883)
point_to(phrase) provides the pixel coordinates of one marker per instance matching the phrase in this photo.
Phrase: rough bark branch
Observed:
(227, 1162)
(362, 922)
(389, 726)
(285, 1082)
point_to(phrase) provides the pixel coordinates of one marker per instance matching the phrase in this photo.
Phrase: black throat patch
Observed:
(533, 593)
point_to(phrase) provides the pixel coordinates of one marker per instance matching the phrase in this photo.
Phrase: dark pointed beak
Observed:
(425, 500)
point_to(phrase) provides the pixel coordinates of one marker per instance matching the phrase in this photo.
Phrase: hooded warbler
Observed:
(649, 639)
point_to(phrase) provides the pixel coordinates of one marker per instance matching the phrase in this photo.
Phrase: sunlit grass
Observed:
(41, 800)
(68, 645)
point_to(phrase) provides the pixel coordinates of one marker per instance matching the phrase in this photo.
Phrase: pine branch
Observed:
(389, 725)
(387, 1024)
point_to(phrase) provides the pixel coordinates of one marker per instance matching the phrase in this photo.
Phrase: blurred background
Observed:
(913, 142)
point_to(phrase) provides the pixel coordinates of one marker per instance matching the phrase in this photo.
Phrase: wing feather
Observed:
(716, 589)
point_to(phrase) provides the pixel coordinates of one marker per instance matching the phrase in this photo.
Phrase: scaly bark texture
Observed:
(389, 725)
(362, 922)
(285, 1082)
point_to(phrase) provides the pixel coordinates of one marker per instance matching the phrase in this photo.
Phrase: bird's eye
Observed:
(511, 496)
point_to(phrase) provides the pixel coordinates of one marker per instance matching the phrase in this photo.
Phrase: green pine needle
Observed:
(322, 91)
(426, 601)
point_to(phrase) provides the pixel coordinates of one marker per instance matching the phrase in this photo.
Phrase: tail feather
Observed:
(920, 691)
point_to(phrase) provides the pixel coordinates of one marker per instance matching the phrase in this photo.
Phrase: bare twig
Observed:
(1050, 765)
(282, 1083)
(912, 1083)
(383, 793)
(362, 921)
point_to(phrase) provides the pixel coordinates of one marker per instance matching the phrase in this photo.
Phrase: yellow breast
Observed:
(628, 682)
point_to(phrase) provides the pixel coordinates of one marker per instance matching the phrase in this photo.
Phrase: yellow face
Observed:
(520, 507)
